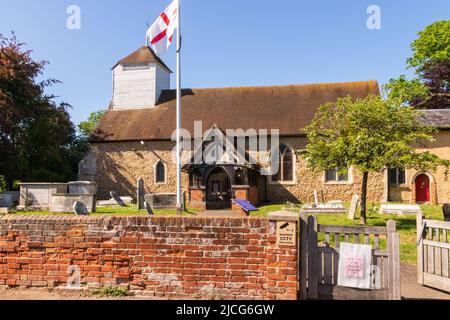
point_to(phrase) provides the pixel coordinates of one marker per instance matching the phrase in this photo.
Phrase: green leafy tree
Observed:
(38, 141)
(409, 92)
(433, 45)
(369, 135)
(86, 128)
(431, 61)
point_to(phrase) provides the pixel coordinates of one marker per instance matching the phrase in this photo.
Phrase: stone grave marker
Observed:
(316, 198)
(4, 210)
(400, 209)
(140, 194)
(353, 207)
(446, 211)
(321, 197)
(116, 198)
(80, 209)
(149, 209)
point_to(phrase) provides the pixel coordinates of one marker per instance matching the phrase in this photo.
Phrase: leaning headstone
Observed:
(148, 208)
(316, 198)
(353, 207)
(446, 211)
(80, 209)
(321, 197)
(116, 197)
(140, 194)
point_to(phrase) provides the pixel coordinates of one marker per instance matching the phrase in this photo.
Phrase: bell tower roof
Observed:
(143, 55)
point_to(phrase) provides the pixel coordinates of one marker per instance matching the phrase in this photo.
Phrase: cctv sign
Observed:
(286, 233)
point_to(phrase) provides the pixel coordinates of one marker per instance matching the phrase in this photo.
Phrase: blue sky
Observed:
(225, 42)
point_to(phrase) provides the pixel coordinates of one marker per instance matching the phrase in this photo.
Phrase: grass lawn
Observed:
(115, 211)
(406, 225)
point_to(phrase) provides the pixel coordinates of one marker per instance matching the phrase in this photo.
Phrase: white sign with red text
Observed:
(355, 266)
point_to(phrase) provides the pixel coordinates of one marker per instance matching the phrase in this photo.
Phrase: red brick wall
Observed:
(229, 258)
(247, 193)
(197, 200)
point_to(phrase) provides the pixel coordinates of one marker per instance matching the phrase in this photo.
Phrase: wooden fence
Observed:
(319, 262)
(433, 248)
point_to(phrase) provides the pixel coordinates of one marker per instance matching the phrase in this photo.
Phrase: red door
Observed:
(422, 189)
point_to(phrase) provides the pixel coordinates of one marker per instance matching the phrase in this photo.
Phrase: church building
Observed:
(134, 140)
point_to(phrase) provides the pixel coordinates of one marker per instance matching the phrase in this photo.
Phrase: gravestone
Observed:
(80, 209)
(113, 202)
(316, 198)
(116, 198)
(446, 211)
(148, 208)
(4, 210)
(400, 209)
(321, 197)
(140, 194)
(162, 200)
(353, 207)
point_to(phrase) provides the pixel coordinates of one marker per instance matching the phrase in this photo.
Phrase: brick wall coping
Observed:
(134, 220)
(284, 215)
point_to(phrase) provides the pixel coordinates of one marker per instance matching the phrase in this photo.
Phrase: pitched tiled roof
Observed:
(439, 118)
(287, 108)
(143, 55)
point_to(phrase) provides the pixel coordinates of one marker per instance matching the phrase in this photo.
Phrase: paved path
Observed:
(411, 290)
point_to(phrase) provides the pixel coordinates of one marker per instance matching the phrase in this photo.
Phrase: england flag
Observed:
(160, 34)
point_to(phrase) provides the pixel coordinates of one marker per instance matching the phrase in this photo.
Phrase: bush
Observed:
(112, 292)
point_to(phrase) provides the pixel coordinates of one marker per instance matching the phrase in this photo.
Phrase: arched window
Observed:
(160, 173)
(286, 165)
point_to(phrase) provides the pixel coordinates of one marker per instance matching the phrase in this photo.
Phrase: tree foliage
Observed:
(433, 45)
(410, 92)
(86, 128)
(370, 135)
(38, 141)
(431, 61)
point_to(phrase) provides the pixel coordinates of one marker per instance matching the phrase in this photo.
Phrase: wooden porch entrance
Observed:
(218, 190)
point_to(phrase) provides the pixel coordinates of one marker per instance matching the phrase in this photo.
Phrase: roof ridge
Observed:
(281, 85)
(137, 56)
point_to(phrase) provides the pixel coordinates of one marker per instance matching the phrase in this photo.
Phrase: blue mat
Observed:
(244, 204)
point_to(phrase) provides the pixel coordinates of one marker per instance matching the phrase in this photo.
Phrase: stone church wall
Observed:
(117, 166)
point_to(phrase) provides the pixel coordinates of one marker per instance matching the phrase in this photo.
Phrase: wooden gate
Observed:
(433, 248)
(319, 262)
(218, 190)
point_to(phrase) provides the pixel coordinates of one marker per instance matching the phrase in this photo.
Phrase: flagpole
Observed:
(179, 189)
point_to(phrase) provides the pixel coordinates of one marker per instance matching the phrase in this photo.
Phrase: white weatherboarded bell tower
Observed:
(138, 80)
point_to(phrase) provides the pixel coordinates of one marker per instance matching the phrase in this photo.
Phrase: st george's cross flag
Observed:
(160, 34)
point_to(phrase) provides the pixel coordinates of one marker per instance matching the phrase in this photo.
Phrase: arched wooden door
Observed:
(218, 190)
(423, 189)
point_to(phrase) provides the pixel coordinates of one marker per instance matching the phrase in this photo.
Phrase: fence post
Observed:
(394, 261)
(303, 263)
(420, 263)
(397, 284)
(313, 265)
(282, 256)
